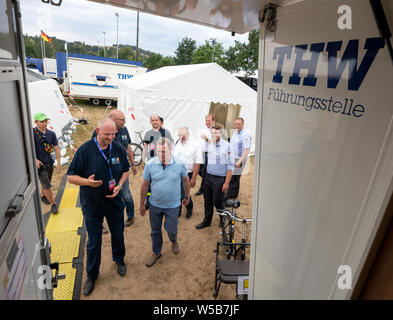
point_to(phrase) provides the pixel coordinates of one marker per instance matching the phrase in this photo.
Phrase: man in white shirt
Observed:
(206, 137)
(188, 150)
(240, 148)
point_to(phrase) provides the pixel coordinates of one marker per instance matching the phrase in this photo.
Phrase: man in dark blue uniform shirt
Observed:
(45, 142)
(100, 167)
(123, 137)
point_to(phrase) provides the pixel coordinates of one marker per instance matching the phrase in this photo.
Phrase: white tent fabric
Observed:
(45, 96)
(182, 96)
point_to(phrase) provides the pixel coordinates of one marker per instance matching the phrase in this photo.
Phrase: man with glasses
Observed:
(45, 142)
(219, 170)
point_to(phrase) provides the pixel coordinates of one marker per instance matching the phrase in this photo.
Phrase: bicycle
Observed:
(137, 149)
(235, 270)
(233, 249)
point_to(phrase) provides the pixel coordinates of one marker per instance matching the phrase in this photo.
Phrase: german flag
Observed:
(45, 37)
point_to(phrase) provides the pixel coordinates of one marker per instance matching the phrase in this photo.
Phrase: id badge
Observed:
(112, 184)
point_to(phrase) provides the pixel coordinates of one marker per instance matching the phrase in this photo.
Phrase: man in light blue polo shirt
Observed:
(218, 175)
(240, 148)
(164, 174)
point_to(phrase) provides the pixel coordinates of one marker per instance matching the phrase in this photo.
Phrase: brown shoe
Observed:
(152, 259)
(175, 247)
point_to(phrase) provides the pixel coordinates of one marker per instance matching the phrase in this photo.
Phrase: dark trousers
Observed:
(191, 204)
(93, 247)
(202, 171)
(234, 187)
(213, 196)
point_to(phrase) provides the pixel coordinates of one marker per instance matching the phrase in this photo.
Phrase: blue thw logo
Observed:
(356, 74)
(124, 76)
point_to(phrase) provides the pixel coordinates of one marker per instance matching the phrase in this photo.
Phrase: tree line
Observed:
(239, 57)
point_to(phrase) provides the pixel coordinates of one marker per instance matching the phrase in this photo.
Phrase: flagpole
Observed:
(42, 50)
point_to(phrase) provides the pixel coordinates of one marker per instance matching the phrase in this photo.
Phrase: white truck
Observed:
(97, 78)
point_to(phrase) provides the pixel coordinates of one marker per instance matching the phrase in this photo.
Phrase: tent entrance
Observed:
(225, 115)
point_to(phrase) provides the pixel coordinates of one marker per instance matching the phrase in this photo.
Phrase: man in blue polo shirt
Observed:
(164, 174)
(100, 168)
(218, 175)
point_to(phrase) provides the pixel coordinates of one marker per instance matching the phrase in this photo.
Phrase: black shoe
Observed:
(89, 287)
(54, 208)
(189, 213)
(202, 225)
(45, 200)
(121, 269)
(129, 222)
(198, 193)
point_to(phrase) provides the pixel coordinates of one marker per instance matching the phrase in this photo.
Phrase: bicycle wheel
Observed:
(137, 150)
(227, 236)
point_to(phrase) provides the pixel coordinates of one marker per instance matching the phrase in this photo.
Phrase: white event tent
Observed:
(45, 96)
(182, 96)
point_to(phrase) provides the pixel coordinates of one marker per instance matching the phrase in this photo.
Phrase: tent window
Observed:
(225, 115)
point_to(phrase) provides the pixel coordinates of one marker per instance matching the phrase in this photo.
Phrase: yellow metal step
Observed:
(65, 246)
(67, 219)
(65, 287)
(69, 198)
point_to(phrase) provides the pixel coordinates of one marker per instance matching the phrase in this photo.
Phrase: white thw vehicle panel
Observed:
(97, 79)
(325, 167)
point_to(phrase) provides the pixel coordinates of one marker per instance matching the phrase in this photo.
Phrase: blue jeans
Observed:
(93, 247)
(127, 199)
(170, 225)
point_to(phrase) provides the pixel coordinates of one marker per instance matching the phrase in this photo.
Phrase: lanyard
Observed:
(105, 158)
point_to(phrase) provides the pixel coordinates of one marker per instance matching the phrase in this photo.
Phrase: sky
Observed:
(85, 21)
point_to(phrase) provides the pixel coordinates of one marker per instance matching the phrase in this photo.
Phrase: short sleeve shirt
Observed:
(165, 183)
(239, 142)
(151, 137)
(220, 159)
(87, 161)
(48, 137)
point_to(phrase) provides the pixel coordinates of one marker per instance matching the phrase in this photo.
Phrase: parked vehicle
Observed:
(96, 78)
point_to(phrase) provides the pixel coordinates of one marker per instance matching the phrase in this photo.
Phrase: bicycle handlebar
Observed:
(226, 212)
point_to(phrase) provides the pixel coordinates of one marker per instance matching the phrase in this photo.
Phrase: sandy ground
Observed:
(188, 275)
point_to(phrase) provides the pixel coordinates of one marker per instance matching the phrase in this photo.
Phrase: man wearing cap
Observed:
(45, 142)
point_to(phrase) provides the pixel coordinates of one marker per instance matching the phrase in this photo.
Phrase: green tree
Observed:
(126, 53)
(184, 51)
(243, 56)
(209, 53)
(153, 61)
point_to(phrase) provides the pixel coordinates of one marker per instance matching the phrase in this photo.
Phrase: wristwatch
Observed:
(120, 185)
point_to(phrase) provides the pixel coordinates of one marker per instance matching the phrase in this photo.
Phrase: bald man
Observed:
(123, 137)
(100, 167)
